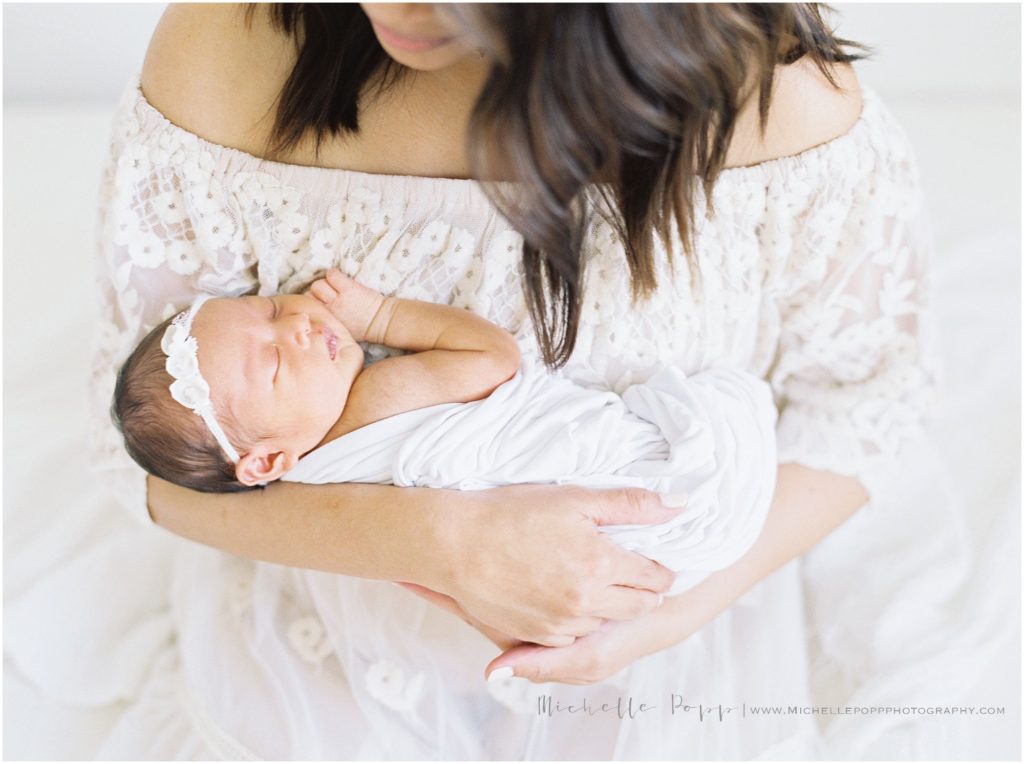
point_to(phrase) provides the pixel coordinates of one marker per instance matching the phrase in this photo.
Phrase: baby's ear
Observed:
(262, 464)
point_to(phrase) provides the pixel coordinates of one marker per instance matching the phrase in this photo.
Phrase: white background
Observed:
(950, 73)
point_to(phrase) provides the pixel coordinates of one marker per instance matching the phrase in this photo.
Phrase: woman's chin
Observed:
(434, 60)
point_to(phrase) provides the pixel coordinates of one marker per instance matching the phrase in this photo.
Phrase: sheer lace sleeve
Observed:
(166, 231)
(854, 368)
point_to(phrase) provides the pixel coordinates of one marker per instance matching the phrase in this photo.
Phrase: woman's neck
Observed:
(418, 127)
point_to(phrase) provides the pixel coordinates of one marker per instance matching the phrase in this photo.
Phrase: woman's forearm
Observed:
(370, 531)
(528, 560)
(807, 506)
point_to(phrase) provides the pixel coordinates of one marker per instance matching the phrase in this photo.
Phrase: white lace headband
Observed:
(189, 388)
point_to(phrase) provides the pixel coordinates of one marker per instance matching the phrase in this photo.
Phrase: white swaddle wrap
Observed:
(710, 436)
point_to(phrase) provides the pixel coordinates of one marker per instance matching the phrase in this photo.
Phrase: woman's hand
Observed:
(600, 654)
(529, 561)
(593, 658)
(616, 644)
(503, 641)
(589, 659)
(808, 504)
(352, 303)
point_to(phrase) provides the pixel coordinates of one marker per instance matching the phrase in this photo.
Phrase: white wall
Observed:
(83, 51)
(73, 52)
(933, 51)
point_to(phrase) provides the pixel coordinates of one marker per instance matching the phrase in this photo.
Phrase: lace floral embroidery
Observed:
(812, 271)
(386, 682)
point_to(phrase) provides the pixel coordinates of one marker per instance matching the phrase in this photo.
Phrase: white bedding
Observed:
(928, 583)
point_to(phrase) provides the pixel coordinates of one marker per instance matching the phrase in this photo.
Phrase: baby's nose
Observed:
(301, 329)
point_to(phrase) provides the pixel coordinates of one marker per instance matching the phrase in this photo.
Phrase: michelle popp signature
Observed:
(631, 708)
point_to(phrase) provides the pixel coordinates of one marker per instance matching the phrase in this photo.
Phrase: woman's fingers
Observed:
(500, 639)
(563, 566)
(624, 603)
(554, 640)
(538, 664)
(639, 573)
(633, 506)
(586, 661)
(580, 627)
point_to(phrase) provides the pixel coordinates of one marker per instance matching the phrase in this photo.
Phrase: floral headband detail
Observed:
(189, 388)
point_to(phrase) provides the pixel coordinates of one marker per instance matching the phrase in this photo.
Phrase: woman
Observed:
(808, 272)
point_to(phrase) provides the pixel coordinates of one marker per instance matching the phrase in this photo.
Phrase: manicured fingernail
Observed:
(674, 500)
(500, 673)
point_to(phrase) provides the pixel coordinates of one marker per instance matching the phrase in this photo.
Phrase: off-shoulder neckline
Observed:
(868, 103)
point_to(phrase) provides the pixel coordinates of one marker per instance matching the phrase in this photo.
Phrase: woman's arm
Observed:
(454, 542)
(808, 505)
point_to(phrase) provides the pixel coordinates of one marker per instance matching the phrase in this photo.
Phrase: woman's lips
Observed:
(401, 42)
(331, 340)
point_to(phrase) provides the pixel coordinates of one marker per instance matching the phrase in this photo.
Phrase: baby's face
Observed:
(283, 365)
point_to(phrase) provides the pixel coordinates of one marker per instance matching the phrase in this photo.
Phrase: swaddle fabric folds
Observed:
(710, 436)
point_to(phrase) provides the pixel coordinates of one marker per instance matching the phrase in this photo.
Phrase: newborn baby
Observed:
(283, 394)
(282, 375)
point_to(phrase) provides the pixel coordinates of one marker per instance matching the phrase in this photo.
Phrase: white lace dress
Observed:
(812, 277)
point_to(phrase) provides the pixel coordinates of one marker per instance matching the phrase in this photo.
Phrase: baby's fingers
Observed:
(323, 291)
(339, 280)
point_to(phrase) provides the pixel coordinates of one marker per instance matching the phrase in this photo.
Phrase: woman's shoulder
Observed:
(214, 73)
(805, 111)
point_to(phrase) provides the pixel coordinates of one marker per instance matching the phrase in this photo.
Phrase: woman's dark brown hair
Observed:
(641, 99)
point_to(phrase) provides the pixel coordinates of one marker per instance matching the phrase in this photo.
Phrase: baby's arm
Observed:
(460, 356)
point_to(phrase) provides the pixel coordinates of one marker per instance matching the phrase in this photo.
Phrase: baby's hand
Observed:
(350, 302)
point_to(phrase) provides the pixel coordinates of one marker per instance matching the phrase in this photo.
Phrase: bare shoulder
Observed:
(213, 74)
(805, 111)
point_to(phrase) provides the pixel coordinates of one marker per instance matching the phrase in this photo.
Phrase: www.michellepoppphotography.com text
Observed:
(677, 705)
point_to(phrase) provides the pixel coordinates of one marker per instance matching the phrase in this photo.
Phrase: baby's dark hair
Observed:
(161, 435)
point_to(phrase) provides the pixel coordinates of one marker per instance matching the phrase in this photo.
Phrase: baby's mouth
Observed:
(331, 340)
